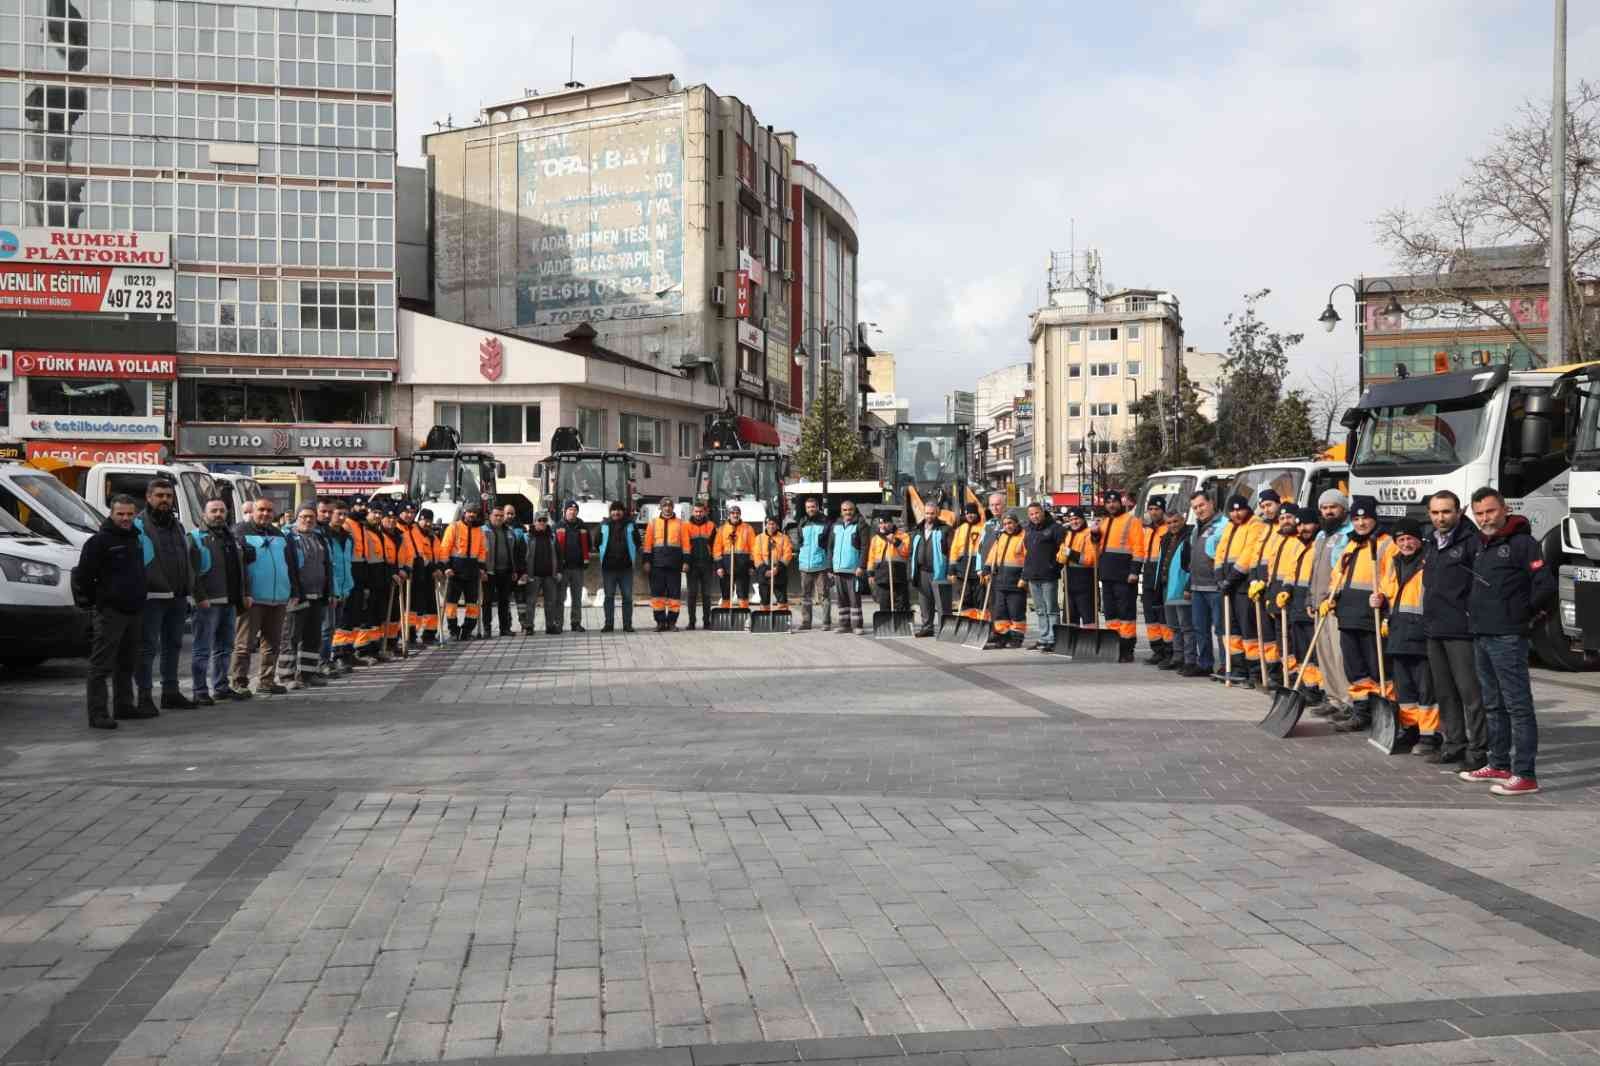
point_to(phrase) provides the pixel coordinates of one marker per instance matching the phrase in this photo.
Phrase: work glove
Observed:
(1383, 629)
(1281, 600)
(1072, 558)
(1325, 607)
(1256, 589)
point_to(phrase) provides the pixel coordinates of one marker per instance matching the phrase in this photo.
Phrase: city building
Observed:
(880, 371)
(958, 407)
(208, 189)
(823, 313)
(1007, 448)
(1094, 356)
(1204, 370)
(998, 388)
(509, 394)
(1491, 306)
(659, 215)
(1024, 475)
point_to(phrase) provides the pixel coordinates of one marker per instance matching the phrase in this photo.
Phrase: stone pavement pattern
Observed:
(728, 848)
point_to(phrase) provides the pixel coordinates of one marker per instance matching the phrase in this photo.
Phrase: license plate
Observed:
(1584, 573)
(1391, 510)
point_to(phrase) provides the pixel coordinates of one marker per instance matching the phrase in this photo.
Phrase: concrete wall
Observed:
(411, 234)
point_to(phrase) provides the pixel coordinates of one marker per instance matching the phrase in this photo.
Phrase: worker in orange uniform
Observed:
(1262, 524)
(1007, 592)
(773, 553)
(397, 560)
(1277, 552)
(1155, 601)
(1231, 583)
(735, 543)
(466, 555)
(1079, 554)
(890, 548)
(1293, 595)
(423, 547)
(1359, 573)
(666, 555)
(370, 646)
(966, 562)
(1400, 596)
(1121, 543)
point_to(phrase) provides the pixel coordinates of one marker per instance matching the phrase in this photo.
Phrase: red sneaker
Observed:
(1485, 775)
(1517, 786)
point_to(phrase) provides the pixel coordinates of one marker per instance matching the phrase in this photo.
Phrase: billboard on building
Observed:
(600, 220)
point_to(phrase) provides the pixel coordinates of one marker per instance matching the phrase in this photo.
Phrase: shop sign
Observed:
(228, 440)
(57, 427)
(347, 470)
(1527, 312)
(87, 453)
(491, 358)
(788, 427)
(752, 266)
(741, 295)
(95, 365)
(44, 287)
(752, 336)
(86, 247)
(12, 451)
(881, 401)
(749, 381)
(5, 365)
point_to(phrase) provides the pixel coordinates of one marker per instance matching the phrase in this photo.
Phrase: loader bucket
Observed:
(1386, 735)
(1288, 705)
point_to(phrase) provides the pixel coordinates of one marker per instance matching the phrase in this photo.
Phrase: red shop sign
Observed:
(87, 453)
(96, 365)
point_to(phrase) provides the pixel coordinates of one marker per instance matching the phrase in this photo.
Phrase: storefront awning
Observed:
(754, 431)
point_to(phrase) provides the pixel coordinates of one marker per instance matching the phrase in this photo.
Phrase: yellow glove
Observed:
(1282, 600)
(1256, 589)
(1383, 629)
(1325, 607)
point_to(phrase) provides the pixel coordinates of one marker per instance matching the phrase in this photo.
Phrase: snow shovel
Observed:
(1066, 637)
(895, 622)
(1288, 704)
(725, 617)
(1097, 643)
(1386, 735)
(950, 624)
(773, 617)
(979, 624)
(405, 618)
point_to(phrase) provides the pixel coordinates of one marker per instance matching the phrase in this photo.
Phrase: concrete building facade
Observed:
(656, 214)
(823, 313)
(1093, 357)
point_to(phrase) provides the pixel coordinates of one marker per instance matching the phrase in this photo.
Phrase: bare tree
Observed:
(1329, 392)
(1504, 199)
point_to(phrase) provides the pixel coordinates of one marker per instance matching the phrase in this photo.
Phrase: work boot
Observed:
(201, 699)
(313, 681)
(995, 642)
(1171, 663)
(173, 699)
(1356, 723)
(691, 623)
(101, 720)
(1125, 647)
(146, 708)
(1157, 654)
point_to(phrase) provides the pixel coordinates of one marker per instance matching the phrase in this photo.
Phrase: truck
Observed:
(1412, 437)
(590, 476)
(1300, 481)
(868, 496)
(928, 461)
(445, 477)
(1579, 582)
(194, 483)
(728, 472)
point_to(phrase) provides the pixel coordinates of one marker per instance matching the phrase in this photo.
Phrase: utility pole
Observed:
(1557, 354)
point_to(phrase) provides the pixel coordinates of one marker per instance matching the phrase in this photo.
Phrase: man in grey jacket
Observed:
(312, 563)
(168, 581)
(218, 568)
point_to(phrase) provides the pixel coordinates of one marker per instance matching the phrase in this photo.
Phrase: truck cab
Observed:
(590, 477)
(37, 612)
(446, 477)
(929, 464)
(195, 485)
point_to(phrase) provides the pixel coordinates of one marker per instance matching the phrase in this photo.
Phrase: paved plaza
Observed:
(709, 849)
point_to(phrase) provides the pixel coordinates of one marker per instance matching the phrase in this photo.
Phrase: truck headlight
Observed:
(28, 572)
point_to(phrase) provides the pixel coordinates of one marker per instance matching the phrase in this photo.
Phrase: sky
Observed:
(1209, 148)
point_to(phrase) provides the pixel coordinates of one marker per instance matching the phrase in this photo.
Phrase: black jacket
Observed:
(110, 571)
(1042, 542)
(1510, 581)
(1449, 585)
(541, 558)
(217, 567)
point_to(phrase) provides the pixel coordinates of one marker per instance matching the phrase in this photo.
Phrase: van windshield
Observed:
(59, 501)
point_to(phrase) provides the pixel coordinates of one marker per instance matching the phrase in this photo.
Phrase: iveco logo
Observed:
(1397, 494)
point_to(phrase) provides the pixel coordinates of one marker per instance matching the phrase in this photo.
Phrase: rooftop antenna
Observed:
(572, 65)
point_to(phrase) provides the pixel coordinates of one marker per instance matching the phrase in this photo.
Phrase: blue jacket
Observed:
(1176, 560)
(848, 551)
(813, 546)
(270, 577)
(631, 539)
(1333, 543)
(341, 556)
(939, 552)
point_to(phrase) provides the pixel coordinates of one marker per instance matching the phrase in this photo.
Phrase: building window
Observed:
(647, 436)
(1103, 333)
(1133, 368)
(1133, 333)
(86, 396)
(722, 153)
(1074, 336)
(1102, 370)
(200, 400)
(722, 214)
(688, 440)
(1102, 410)
(491, 423)
(592, 427)
(1074, 410)
(1074, 371)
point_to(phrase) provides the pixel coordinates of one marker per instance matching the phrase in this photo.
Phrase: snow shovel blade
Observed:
(726, 619)
(977, 632)
(1284, 714)
(1066, 638)
(949, 628)
(779, 619)
(760, 620)
(1385, 735)
(886, 623)
(1106, 646)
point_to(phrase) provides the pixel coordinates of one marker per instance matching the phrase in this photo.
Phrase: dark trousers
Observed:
(1120, 600)
(1300, 632)
(773, 584)
(1453, 668)
(1359, 649)
(1080, 597)
(1508, 703)
(572, 588)
(615, 584)
(1413, 691)
(161, 633)
(666, 594)
(550, 589)
(497, 601)
(734, 585)
(213, 646)
(1010, 609)
(1244, 641)
(702, 589)
(424, 616)
(462, 589)
(847, 590)
(1206, 614)
(308, 633)
(933, 597)
(114, 656)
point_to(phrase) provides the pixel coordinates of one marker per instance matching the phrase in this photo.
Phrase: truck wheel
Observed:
(1554, 648)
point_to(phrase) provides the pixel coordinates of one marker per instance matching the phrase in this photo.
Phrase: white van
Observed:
(45, 507)
(239, 491)
(37, 612)
(195, 485)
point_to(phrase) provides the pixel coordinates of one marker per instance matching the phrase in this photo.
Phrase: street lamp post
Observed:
(1556, 343)
(825, 336)
(1330, 318)
(1094, 474)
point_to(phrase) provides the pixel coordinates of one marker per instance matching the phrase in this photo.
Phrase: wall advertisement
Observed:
(96, 365)
(226, 440)
(67, 427)
(94, 289)
(600, 221)
(1528, 312)
(86, 247)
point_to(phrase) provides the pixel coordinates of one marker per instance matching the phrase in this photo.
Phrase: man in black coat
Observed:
(1448, 553)
(110, 580)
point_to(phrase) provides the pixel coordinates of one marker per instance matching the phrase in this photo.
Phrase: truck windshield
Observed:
(1586, 447)
(592, 478)
(928, 456)
(744, 476)
(433, 478)
(1175, 489)
(1444, 435)
(1285, 481)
